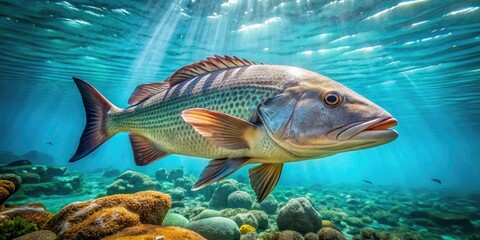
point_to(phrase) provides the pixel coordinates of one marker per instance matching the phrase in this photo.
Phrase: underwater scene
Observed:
(240, 119)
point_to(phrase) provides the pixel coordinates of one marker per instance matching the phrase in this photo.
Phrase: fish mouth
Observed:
(375, 130)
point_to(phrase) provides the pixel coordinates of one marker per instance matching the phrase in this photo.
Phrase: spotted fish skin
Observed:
(234, 91)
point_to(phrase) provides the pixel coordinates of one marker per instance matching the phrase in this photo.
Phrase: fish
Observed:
(49, 143)
(237, 112)
(369, 182)
(437, 180)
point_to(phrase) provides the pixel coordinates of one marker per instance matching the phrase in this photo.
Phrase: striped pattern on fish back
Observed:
(235, 91)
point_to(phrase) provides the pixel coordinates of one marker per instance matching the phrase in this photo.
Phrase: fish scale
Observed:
(234, 91)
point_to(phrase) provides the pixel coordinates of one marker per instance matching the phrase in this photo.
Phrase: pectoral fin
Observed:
(218, 169)
(264, 178)
(221, 129)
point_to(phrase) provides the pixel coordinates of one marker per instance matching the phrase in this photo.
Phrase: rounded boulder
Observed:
(216, 228)
(299, 215)
(240, 199)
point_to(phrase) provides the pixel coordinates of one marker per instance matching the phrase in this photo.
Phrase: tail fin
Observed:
(96, 109)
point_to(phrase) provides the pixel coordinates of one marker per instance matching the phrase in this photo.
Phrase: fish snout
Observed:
(374, 130)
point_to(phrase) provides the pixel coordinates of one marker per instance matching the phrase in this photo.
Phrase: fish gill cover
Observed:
(416, 59)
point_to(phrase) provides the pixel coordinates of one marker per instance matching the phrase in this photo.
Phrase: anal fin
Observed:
(144, 151)
(264, 178)
(218, 169)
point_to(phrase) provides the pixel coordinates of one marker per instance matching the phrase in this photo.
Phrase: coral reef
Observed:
(60, 186)
(358, 213)
(41, 180)
(32, 212)
(104, 216)
(131, 182)
(245, 228)
(147, 231)
(9, 184)
(46, 173)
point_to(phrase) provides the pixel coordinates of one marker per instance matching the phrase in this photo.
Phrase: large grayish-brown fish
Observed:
(237, 112)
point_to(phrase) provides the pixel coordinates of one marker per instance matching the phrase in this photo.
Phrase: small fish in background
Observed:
(369, 182)
(237, 112)
(437, 180)
(49, 143)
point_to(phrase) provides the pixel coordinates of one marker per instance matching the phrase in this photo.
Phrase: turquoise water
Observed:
(419, 60)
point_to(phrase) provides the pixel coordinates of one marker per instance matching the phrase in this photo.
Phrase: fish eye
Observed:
(332, 99)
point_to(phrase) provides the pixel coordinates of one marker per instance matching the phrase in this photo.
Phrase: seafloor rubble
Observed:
(115, 204)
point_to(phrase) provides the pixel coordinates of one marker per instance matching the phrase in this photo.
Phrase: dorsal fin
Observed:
(211, 64)
(145, 91)
(205, 66)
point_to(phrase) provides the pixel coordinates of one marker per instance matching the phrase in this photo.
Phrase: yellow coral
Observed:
(147, 231)
(326, 223)
(245, 228)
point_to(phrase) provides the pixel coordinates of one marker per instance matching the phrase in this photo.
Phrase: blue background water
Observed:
(420, 60)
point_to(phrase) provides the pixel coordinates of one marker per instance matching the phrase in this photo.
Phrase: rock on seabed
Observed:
(299, 215)
(105, 216)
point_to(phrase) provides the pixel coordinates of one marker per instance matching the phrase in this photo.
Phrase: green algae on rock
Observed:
(31, 212)
(175, 219)
(15, 227)
(207, 213)
(216, 228)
